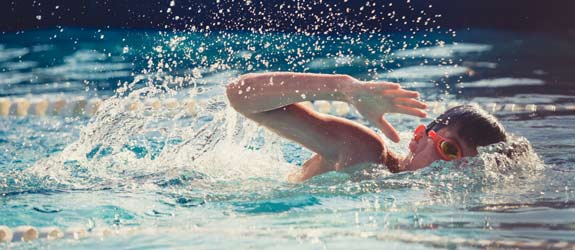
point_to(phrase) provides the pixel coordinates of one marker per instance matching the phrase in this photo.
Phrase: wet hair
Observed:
(474, 125)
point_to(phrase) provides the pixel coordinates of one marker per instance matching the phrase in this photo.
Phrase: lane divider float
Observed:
(29, 233)
(80, 106)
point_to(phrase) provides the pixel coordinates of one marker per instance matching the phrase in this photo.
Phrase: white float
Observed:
(24, 233)
(5, 104)
(5, 234)
(76, 233)
(50, 233)
(39, 106)
(80, 106)
(22, 105)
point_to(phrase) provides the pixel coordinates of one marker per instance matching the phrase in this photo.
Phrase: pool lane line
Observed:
(80, 106)
(28, 233)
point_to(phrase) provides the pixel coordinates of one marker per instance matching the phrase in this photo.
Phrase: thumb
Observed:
(388, 129)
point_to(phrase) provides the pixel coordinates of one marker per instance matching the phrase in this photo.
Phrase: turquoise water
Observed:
(170, 179)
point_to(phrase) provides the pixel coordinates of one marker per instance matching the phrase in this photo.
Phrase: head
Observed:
(455, 134)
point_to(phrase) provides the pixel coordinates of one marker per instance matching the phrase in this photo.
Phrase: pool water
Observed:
(209, 179)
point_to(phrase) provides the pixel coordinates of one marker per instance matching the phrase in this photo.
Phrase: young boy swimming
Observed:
(272, 100)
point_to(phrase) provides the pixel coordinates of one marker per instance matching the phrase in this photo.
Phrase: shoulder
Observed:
(360, 144)
(357, 143)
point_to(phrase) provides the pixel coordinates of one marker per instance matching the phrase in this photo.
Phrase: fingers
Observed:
(410, 102)
(381, 86)
(410, 111)
(388, 130)
(400, 93)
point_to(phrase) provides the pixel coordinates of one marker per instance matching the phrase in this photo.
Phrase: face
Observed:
(445, 144)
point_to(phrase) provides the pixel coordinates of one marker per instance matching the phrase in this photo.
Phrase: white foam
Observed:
(9, 54)
(503, 82)
(445, 51)
(42, 48)
(417, 84)
(335, 62)
(425, 72)
(86, 56)
(220, 77)
(488, 65)
(88, 71)
(19, 65)
(14, 78)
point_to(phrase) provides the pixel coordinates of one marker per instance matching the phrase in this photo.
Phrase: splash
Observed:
(147, 145)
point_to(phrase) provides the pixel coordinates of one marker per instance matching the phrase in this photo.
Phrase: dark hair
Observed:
(474, 125)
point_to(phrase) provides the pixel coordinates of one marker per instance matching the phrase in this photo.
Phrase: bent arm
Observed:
(271, 99)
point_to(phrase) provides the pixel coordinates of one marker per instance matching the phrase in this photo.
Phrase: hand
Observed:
(374, 99)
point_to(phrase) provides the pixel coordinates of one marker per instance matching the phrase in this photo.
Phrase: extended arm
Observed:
(255, 93)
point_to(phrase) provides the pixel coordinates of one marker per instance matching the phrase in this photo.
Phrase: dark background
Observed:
(516, 15)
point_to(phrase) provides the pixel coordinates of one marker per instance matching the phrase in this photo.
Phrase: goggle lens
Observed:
(449, 150)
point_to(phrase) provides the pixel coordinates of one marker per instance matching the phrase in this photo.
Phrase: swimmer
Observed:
(273, 100)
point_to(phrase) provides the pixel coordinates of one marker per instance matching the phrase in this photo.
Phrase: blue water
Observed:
(165, 179)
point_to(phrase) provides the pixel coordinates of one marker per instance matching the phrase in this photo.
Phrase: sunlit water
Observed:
(164, 178)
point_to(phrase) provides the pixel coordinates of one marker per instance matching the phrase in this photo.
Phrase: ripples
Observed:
(25, 70)
(14, 78)
(20, 65)
(13, 53)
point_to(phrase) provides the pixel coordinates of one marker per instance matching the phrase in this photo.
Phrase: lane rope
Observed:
(80, 106)
(29, 233)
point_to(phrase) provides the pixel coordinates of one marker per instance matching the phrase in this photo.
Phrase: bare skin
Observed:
(272, 100)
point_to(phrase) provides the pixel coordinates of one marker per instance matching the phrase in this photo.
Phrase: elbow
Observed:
(232, 92)
(235, 95)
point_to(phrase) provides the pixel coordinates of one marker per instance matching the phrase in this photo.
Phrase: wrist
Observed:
(348, 86)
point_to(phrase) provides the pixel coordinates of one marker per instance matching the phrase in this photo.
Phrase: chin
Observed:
(412, 165)
(409, 164)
